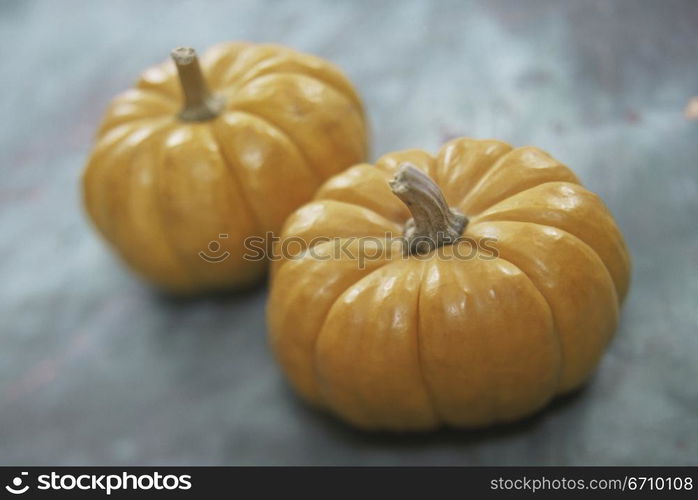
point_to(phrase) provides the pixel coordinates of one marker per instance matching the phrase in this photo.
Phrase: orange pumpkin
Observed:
(197, 158)
(447, 331)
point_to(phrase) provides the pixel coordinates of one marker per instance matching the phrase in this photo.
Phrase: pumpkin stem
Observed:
(433, 223)
(199, 103)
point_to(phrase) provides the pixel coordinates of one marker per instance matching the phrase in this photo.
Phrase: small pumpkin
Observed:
(433, 334)
(198, 157)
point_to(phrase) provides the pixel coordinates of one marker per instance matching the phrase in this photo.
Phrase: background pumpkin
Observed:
(413, 343)
(176, 176)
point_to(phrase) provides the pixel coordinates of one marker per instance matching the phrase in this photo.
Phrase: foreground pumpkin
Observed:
(432, 334)
(196, 158)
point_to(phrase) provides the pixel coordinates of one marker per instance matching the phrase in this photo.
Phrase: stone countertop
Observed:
(95, 368)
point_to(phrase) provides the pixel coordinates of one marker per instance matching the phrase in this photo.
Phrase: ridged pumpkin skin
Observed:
(419, 342)
(160, 189)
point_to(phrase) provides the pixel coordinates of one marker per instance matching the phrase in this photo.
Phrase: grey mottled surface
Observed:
(97, 369)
